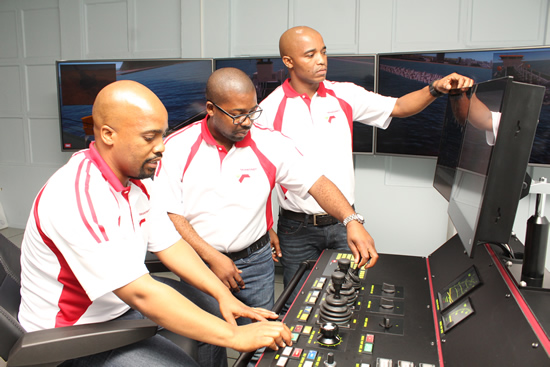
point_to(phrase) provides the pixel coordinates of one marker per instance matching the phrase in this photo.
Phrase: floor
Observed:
(16, 236)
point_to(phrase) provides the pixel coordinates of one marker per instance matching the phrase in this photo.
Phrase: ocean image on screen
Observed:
(179, 84)
(530, 66)
(399, 74)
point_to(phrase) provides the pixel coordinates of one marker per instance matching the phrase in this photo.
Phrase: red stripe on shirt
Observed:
(73, 301)
(79, 203)
(90, 203)
(346, 107)
(270, 172)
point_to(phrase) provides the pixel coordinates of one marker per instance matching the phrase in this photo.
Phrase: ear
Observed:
(107, 135)
(287, 60)
(210, 108)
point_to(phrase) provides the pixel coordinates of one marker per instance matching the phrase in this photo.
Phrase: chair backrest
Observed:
(10, 296)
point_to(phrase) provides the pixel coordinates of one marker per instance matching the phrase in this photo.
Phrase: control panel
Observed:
(344, 316)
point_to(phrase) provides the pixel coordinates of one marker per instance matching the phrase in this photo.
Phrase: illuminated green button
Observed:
(368, 348)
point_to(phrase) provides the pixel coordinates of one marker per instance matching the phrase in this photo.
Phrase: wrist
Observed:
(355, 217)
(433, 91)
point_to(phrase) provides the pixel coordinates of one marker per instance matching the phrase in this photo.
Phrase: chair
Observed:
(50, 347)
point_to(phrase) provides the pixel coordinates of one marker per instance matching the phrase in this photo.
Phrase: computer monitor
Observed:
(360, 70)
(179, 83)
(402, 73)
(497, 122)
(266, 72)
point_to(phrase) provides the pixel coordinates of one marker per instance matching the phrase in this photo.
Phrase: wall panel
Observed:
(41, 91)
(45, 142)
(106, 29)
(8, 30)
(41, 32)
(12, 138)
(10, 90)
(156, 29)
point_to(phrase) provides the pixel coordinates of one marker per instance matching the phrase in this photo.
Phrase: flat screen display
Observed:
(266, 72)
(399, 74)
(180, 84)
(360, 70)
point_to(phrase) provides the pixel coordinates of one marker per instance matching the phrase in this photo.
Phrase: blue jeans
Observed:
(158, 350)
(258, 273)
(301, 241)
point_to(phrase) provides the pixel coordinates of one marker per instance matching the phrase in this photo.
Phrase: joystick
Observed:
(328, 334)
(335, 307)
(347, 289)
(352, 275)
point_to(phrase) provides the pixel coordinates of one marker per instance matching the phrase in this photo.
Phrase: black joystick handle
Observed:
(344, 265)
(338, 279)
(330, 360)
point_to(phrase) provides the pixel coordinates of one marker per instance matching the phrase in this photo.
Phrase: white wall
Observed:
(404, 213)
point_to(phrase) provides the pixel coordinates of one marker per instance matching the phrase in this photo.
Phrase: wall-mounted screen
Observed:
(360, 70)
(530, 65)
(399, 74)
(180, 84)
(266, 72)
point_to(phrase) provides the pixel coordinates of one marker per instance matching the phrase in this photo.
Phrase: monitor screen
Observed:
(399, 74)
(530, 65)
(359, 70)
(180, 84)
(496, 122)
(267, 73)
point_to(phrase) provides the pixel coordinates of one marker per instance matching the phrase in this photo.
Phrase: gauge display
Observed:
(462, 285)
(456, 314)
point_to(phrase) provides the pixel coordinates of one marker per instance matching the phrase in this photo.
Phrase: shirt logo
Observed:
(330, 118)
(243, 177)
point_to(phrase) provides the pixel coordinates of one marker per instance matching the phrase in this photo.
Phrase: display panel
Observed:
(399, 74)
(359, 70)
(458, 288)
(266, 72)
(180, 84)
(457, 314)
(530, 65)
(497, 123)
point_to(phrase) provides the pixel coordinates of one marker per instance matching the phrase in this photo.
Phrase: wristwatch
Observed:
(434, 92)
(355, 216)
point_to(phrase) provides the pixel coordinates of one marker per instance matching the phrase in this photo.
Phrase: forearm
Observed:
(412, 103)
(169, 309)
(183, 261)
(330, 198)
(188, 233)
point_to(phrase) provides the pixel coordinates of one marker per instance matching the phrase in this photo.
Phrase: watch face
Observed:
(361, 219)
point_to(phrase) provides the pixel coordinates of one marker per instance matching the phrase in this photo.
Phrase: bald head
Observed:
(119, 100)
(293, 37)
(225, 82)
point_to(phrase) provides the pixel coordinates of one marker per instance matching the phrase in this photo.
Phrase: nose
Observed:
(159, 147)
(246, 122)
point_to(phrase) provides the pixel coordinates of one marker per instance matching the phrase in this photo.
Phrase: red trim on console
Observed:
(434, 311)
(531, 319)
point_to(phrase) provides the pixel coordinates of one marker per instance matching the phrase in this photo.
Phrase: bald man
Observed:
(85, 243)
(216, 179)
(318, 116)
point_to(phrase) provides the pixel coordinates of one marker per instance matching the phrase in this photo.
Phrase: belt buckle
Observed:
(315, 218)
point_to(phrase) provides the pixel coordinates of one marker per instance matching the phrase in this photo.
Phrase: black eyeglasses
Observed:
(239, 119)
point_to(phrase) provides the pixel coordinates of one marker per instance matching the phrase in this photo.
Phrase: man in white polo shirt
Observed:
(217, 176)
(87, 236)
(318, 116)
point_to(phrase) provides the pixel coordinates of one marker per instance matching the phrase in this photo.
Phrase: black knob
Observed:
(338, 279)
(344, 265)
(328, 333)
(329, 362)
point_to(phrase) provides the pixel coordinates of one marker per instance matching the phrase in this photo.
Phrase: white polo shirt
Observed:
(86, 236)
(322, 129)
(226, 195)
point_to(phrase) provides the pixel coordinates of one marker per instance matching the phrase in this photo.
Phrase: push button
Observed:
(282, 361)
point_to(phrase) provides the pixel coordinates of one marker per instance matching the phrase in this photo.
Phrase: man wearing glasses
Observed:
(216, 178)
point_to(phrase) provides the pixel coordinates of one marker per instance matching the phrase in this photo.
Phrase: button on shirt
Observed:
(322, 129)
(226, 195)
(87, 235)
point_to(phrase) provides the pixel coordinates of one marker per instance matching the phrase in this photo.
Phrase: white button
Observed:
(282, 361)
(287, 351)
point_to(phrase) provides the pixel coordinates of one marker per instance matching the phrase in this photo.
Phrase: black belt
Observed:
(257, 245)
(317, 220)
